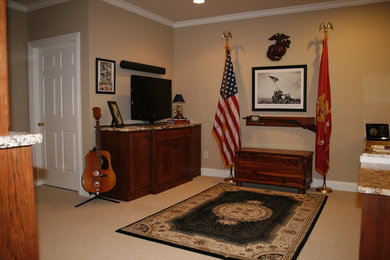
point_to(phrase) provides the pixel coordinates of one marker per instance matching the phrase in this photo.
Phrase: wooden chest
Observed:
(287, 168)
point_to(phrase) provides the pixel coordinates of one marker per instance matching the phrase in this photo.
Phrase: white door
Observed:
(55, 102)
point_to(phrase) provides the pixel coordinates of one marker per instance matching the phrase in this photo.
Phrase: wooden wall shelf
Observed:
(304, 122)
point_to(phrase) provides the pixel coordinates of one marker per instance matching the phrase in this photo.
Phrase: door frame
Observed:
(34, 48)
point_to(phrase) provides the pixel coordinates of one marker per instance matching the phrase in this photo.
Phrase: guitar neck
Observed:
(97, 141)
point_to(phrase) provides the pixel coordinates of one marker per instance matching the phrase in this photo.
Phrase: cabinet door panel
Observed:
(165, 163)
(195, 151)
(139, 160)
(182, 157)
(116, 144)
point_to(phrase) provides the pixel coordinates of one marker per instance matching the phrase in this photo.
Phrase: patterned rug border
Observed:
(220, 256)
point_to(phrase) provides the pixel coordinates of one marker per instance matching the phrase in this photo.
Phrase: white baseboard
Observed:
(335, 185)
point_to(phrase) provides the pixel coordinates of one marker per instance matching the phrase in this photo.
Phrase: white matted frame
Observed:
(105, 76)
(279, 88)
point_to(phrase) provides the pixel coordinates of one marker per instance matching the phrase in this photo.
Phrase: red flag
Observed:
(226, 129)
(323, 114)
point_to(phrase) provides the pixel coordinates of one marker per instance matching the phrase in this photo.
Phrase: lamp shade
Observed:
(178, 99)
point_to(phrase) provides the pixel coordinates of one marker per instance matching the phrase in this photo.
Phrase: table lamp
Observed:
(178, 101)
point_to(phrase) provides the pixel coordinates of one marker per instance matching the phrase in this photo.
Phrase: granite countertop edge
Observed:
(18, 139)
(137, 127)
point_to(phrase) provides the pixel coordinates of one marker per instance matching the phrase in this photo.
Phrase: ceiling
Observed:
(183, 10)
(176, 11)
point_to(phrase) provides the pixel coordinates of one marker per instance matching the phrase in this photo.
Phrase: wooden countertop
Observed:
(374, 178)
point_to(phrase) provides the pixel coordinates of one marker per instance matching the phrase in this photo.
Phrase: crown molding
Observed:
(33, 6)
(276, 11)
(17, 6)
(140, 11)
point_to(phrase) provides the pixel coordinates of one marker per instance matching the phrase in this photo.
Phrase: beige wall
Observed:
(106, 32)
(17, 62)
(359, 62)
(194, 57)
(117, 34)
(56, 20)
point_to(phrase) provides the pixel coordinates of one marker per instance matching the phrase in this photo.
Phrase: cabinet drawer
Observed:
(169, 135)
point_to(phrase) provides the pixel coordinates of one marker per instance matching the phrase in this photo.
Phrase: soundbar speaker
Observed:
(141, 67)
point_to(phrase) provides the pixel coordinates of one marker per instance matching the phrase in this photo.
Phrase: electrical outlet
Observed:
(206, 154)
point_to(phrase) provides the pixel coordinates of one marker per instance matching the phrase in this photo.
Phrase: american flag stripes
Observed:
(226, 129)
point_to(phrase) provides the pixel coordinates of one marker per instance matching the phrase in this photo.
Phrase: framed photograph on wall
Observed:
(116, 114)
(105, 76)
(279, 88)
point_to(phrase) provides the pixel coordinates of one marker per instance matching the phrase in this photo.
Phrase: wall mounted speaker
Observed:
(141, 67)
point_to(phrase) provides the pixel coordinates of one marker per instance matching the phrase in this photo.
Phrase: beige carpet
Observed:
(88, 232)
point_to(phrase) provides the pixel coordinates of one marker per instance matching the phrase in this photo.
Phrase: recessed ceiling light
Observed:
(198, 1)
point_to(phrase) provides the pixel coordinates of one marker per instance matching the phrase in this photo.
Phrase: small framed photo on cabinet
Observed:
(116, 114)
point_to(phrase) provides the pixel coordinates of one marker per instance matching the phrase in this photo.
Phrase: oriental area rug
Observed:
(233, 222)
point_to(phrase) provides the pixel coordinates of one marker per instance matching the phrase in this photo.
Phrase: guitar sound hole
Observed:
(105, 163)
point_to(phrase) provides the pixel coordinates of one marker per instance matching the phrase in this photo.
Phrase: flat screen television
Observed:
(151, 98)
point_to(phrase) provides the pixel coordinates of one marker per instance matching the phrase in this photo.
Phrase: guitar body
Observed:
(107, 179)
(98, 175)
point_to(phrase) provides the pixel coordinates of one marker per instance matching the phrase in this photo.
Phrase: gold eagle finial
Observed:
(226, 36)
(326, 26)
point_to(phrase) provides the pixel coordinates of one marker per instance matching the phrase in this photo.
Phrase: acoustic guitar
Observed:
(98, 175)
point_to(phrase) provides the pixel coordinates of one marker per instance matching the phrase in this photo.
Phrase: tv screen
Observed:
(151, 98)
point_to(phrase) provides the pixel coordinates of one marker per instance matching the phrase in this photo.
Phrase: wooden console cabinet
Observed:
(287, 168)
(151, 159)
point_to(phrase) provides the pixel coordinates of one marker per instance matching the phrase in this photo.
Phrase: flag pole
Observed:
(325, 26)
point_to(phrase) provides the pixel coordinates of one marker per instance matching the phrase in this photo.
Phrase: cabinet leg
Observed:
(302, 191)
(238, 183)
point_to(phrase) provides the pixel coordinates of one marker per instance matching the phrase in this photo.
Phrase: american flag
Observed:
(226, 129)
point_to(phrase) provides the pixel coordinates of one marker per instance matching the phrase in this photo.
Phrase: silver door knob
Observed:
(41, 124)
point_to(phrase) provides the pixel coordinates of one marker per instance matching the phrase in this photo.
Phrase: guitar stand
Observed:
(94, 198)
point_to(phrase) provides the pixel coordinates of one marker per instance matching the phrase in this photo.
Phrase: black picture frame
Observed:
(105, 76)
(116, 114)
(279, 88)
(377, 131)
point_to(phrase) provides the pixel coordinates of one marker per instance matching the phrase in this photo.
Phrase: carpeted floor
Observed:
(66, 232)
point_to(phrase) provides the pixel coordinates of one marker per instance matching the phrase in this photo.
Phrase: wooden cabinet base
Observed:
(153, 160)
(375, 227)
(287, 168)
(18, 226)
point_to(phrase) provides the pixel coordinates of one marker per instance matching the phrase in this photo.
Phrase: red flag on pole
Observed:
(323, 114)
(226, 129)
